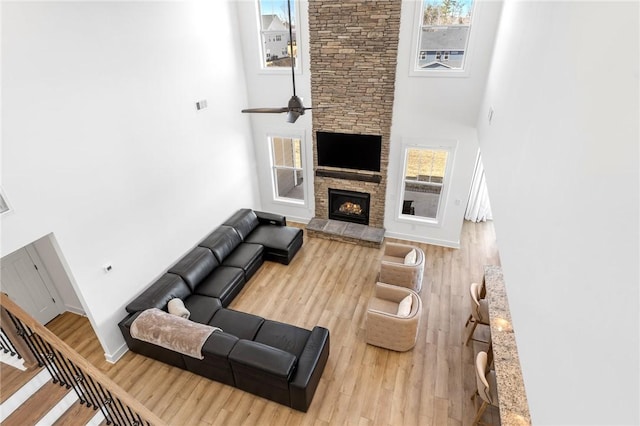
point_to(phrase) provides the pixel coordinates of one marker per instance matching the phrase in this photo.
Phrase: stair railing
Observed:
(38, 346)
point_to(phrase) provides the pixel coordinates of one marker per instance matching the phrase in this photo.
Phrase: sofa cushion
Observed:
(202, 308)
(167, 287)
(195, 265)
(283, 336)
(222, 242)
(280, 242)
(244, 221)
(224, 283)
(246, 256)
(240, 324)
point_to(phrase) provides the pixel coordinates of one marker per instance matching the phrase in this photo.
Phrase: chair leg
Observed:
(473, 328)
(468, 321)
(480, 413)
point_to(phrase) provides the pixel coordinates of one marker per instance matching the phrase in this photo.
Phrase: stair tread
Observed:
(39, 404)
(77, 414)
(13, 379)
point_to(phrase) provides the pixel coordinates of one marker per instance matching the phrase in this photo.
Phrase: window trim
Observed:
(414, 71)
(272, 168)
(263, 69)
(431, 144)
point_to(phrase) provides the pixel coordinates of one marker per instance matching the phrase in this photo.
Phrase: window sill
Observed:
(461, 73)
(418, 220)
(290, 202)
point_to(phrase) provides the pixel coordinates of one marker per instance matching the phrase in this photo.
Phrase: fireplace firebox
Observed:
(349, 206)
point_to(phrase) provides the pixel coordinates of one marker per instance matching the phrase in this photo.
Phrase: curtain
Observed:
(478, 207)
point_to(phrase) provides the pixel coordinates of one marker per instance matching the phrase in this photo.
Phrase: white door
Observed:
(22, 281)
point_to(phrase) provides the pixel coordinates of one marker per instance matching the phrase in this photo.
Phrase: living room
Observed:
(105, 154)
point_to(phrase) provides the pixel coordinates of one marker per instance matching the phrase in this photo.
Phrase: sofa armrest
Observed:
(271, 218)
(311, 364)
(258, 356)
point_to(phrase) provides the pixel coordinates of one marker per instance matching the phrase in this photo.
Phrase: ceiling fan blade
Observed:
(267, 110)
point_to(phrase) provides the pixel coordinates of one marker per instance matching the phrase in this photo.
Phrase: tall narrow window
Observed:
(274, 33)
(287, 168)
(424, 177)
(444, 34)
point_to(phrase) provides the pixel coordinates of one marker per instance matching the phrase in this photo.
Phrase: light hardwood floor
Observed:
(329, 284)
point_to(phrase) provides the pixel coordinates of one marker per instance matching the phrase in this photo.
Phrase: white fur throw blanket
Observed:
(171, 332)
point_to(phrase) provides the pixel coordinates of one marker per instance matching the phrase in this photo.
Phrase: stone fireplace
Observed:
(353, 54)
(349, 206)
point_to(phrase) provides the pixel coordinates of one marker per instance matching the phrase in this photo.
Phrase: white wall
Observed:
(438, 110)
(561, 159)
(103, 147)
(273, 88)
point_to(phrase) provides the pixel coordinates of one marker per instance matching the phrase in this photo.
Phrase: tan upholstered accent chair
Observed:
(384, 327)
(479, 310)
(486, 387)
(393, 269)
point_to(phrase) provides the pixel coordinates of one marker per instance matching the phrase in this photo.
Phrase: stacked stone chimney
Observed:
(353, 45)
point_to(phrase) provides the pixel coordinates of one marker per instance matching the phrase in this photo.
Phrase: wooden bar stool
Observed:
(479, 310)
(486, 388)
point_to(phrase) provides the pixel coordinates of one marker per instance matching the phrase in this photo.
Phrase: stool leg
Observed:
(468, 321)
(475, 324)
(480, 413)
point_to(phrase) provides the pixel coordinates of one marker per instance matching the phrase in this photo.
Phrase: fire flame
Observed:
(350, 208)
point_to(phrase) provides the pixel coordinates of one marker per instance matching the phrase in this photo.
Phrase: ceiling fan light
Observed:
(292, 116)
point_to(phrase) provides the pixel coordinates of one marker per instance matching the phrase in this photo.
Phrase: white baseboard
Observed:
(113, 358)
(415, 238)
(295, 219)
(75, 310)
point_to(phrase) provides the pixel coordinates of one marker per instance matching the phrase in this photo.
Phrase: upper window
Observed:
(286, 155)
(424, 176)
(274, 33)
(443, 34)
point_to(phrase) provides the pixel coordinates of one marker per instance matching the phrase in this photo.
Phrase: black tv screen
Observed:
(349, 151)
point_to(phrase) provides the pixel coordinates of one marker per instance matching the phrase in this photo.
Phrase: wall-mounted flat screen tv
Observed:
(349, 151)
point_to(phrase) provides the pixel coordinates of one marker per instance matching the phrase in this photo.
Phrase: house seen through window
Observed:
(424, 176)
(444, 34)
(287, 168)
(274, 33)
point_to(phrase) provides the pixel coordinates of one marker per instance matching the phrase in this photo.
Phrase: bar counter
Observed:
(512, 398)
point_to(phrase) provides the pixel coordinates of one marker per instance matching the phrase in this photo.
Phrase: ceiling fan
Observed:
(294, 108)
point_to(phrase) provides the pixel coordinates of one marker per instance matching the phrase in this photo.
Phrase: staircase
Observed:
(48, 383)
(39, 401)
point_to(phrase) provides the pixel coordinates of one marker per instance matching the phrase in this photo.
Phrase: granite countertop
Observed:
(512, 398)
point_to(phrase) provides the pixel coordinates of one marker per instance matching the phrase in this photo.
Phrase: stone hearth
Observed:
(354, 233)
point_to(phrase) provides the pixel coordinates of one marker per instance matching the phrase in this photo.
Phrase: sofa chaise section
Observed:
(280, 242)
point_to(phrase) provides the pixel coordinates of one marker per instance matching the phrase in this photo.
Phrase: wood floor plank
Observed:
(329, 283)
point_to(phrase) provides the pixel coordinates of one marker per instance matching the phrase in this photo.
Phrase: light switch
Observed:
(201, 104)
